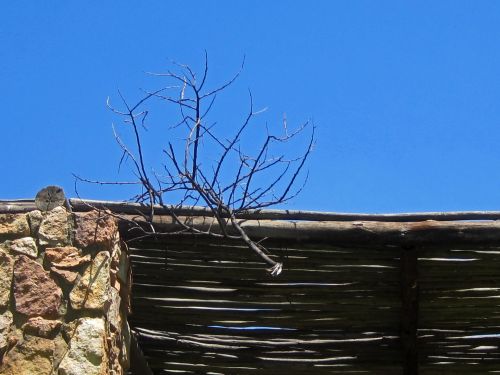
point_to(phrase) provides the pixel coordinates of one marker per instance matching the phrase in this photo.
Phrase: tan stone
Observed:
(113, 314)
(25, 245)
(123, 267)
(33, 356)
(114, 324)
(113, 352)
(35, 219)
(87, 349)
(39, 326)
(54, 229)
(61, 348)
(68, 330)
(95, 229)
(119, 261)
(6, 272)
(14, 225)
(35, 293)
(65, 257)
(92, 290)
(6, 321)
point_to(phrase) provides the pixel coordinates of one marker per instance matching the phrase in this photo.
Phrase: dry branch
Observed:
(188, 169)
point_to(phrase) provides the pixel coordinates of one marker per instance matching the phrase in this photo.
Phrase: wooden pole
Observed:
(25, 205)
(339, 233)
(299, 215)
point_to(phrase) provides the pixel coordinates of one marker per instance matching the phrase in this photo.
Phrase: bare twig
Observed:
(258, 179)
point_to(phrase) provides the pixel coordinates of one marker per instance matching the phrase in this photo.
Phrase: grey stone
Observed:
(5, 326)
(55, 227)
(6, 272)
(35, 219)
(87, 350)
(26, 246)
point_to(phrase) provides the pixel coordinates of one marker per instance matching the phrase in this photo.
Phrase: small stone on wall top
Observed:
(49, 198)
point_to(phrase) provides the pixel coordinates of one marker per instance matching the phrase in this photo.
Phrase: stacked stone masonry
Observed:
(64, 294)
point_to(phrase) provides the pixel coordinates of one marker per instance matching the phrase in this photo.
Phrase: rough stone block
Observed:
(35, 293)
(6, 272)
(32, 356)
(92, 290)
(25, 245)
(54, 229)
(87, 349)
(14, 225)
(95, 229)
(113, 314)
(41, 327)
(65, 257)
(35, 219)
(6, 321)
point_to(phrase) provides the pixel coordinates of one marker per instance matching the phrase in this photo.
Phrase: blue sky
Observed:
(405, 95)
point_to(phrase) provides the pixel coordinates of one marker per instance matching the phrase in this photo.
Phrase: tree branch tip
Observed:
(276, 269)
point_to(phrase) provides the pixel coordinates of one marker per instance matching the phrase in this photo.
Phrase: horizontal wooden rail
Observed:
(25, 205)
(367, 233)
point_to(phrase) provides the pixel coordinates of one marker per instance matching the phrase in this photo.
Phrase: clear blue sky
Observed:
(405, 94)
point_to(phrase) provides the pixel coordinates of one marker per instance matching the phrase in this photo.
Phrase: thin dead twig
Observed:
(259, 180)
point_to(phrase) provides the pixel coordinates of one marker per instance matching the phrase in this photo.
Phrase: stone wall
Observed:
(63, 294)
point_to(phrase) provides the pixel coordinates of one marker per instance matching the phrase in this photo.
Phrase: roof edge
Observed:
(123, 207)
